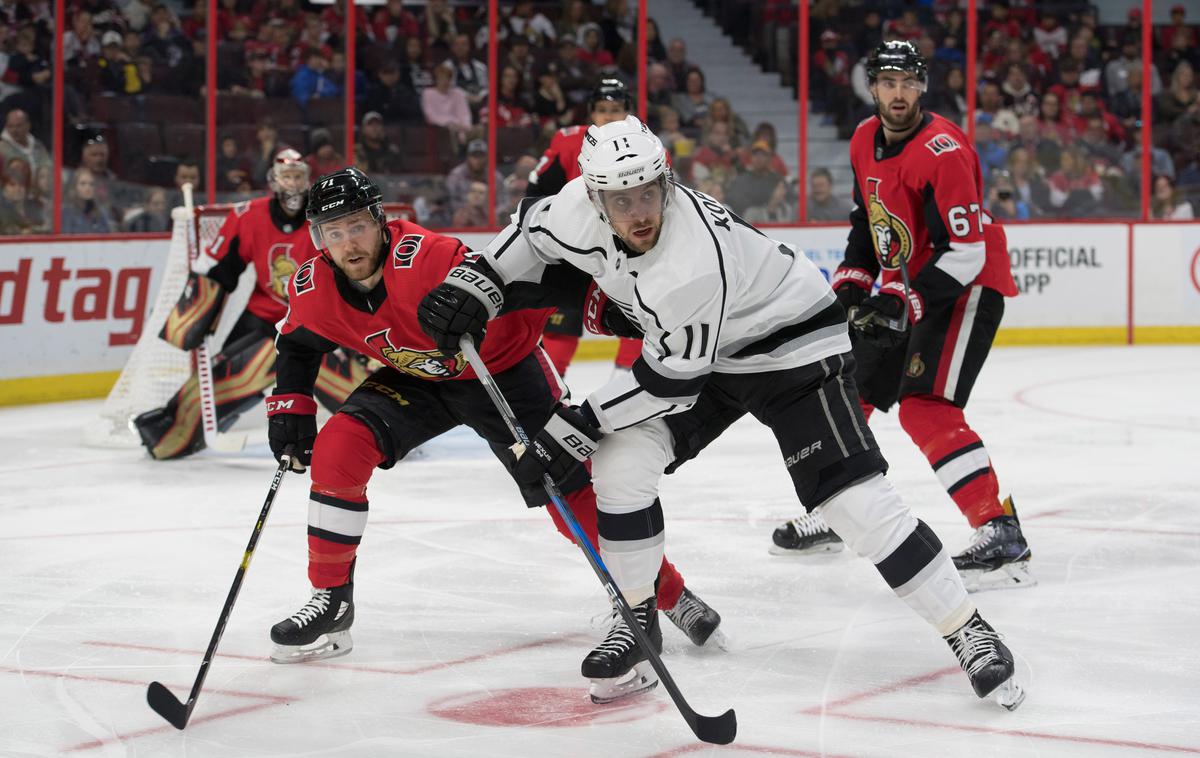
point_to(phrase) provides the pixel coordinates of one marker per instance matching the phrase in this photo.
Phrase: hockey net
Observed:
(157, 369)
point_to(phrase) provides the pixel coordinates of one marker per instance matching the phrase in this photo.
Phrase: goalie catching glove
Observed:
(569, 438)
(292, 420)
(462, 305)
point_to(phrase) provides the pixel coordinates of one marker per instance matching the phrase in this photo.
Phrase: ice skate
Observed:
(807, 534)
(618, 667)
(321, 629)
(987, 661)
(695, 618)
(998, 556)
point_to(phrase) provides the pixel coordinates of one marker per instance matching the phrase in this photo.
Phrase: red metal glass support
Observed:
(210, 104)
(351, 38)
(641, 60)
(1147, 113)
(972, 65)
(493, 61)
(802, 53)
(57, 119)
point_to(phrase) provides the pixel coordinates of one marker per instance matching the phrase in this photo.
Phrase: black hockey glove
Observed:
(602, 316)
(851, 286)
(880, 319)
(292, 420)
(463, 304)
(568, 439)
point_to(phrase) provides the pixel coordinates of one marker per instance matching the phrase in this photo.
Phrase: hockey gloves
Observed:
(880, 319)
(292, 420)
(463, 304)
(568, 439)
(602, 316)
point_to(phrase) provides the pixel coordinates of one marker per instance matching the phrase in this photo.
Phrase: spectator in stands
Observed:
(592, 51)
(678, 63)
(658, 85)
(1003, 202)
(991, 103)
(19, 213)
(757, 194)
(81, 44)
(375, 153)
(693, 103)
(1160, 160)
(251, 80)
(446, 106)
(716, 158)
(1091, 108)
(906, 27)
(312, 37)
(950, 101)
(1178, 97)
(392, 96)
(392, 23)
(1183, 140)
(118, 72)
(313, 80)
(721, 110)
(550, 105)
(414, 69)
(512, 105)
(823, 204)
(575, 15)
(1126, 105)
(1116, 73)
(262, 155)
(232, 167)
(27, 67)
(472, 210)
(991, 148)
(869, 33)
(525, 21)
(574, 76)
(471, 170)
(1075, 188)
(323, 157)
(81, 213)
(1067, 88)
(470, 73)
(1026, 179)
(1016, 91)
(765, 131)
(94, 157)
(830, 73)
(439, 24)
(186, 172)
(516, 184)
(619, 25)
(522, 60)
(1165, 204)
(670, 134)
(656, 51)
(1088, 60)
(1179, 29)
(1180, 47)
(153, 215)
(1050, 36)
(166, 46)
(1000, 20)
(16, 141)
(1052, 119)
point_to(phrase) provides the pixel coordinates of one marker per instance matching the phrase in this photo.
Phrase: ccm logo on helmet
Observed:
(334, 204)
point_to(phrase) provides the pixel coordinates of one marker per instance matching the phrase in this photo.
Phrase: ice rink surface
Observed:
(473, 613)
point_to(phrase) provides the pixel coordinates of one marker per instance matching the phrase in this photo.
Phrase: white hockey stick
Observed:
(202, 355)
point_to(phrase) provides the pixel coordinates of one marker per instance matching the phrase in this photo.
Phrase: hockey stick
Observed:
(901, 324)
(718, 730)
(158, 696)
(202, 355)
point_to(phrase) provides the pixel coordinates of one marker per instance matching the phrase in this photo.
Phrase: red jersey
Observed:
(326, 311)
(257, 233)
(559, 164)
(922, 199)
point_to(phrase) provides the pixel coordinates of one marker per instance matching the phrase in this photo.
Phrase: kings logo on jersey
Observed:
(424, 364)
(893, 240)
(282, 268)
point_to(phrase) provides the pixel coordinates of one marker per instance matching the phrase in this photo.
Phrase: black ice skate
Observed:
(697, 620)
(618, 666)
(321, 629)
(998, 556)
(987, 661)
(807, 534)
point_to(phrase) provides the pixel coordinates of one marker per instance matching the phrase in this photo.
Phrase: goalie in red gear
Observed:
(362, 293)
(922, 339)
(608, 102)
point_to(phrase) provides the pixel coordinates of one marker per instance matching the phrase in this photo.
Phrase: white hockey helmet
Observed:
(622, 155)
(292, 192)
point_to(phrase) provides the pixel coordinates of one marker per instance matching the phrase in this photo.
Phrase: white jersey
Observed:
(713, 295)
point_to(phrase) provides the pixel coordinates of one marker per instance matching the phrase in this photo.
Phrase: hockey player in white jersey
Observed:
(734, 323)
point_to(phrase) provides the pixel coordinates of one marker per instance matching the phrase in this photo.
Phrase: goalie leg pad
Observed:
(341, 373)
(196, 313)
(344, 456)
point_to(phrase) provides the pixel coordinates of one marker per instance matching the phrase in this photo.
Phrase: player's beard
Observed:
(911, 114)
(643, 243)
(359, 265)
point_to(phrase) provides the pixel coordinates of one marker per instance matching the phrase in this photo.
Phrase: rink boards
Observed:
(71, 311)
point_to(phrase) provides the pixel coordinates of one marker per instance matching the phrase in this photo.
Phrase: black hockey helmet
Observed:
(895, 55)
(610, 89)
(338, 194)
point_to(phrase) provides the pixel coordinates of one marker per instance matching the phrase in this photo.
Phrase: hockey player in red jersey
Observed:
(271, 235)
(362, 293)
(923, 338)
(609, 102)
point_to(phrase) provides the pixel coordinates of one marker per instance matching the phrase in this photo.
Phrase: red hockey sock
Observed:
(344, 456)
(561, 349)
(956, 454)
(867, 408)
(627, 352)
(582, 503)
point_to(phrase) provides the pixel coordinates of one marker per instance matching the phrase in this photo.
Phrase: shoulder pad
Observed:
(241, 208)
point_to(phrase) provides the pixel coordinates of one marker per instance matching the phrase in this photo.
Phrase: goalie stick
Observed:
(158, 696)
(718, 730)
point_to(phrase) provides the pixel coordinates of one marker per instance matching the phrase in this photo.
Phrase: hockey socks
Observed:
(344, 456)
(956, 454)
(561, 349)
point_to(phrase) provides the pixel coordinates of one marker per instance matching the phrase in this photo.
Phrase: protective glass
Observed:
(356, 227)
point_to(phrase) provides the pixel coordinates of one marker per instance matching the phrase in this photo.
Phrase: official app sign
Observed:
(1073, 275)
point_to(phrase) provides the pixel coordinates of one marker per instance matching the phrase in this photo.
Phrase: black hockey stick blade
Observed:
(717, 730)
(167, 705)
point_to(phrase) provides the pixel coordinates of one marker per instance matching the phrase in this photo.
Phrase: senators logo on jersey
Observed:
(424, 364)
(893, 240)
(282, 268)
(406, 249)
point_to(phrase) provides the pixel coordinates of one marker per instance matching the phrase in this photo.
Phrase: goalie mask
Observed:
(339, 194)
(288, 179)
(621, 156)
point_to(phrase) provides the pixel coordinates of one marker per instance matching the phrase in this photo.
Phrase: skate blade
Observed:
(824, 547)
(717, 638)
(640, 678)
(1010, 576)
(1010, 695)
(326, 646)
